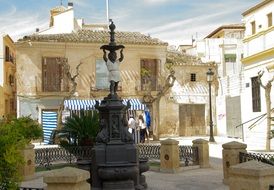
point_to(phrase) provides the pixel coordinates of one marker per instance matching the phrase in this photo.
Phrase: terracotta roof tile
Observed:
(90, 36)
(178, 58)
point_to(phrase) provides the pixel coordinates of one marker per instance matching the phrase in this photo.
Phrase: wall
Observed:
(63, 23)
(263, 39)
(259, 131)
(185, 92)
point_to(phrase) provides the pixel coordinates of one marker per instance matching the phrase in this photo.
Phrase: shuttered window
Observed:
(256, 96)
(7, 53)
(269, 19)
(253, 27)
(149, 73)
(51, 74)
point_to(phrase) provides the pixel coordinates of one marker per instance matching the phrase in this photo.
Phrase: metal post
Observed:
(211, 138)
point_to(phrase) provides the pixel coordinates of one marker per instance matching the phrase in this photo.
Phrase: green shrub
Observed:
(15, 134)
(80, 129)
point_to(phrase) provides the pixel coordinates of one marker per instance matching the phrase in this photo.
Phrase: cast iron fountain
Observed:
(115, 162)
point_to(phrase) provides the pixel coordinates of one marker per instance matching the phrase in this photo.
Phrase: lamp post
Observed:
(209, 78)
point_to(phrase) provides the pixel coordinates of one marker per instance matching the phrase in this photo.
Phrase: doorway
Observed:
(192, 120)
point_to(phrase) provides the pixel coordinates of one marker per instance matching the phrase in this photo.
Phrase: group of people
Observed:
(139, 128)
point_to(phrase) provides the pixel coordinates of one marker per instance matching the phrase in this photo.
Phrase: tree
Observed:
(73, 85)
(168, 81)
(267, 88)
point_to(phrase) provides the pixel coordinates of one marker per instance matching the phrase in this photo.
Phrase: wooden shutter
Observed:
(51, 74)
(149, 65)
(7, 53)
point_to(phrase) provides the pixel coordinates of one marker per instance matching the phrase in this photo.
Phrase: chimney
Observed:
(70, 5)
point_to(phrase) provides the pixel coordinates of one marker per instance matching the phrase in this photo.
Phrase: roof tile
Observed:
(91, 36)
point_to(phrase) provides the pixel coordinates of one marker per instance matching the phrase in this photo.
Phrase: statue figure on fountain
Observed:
(113, 67)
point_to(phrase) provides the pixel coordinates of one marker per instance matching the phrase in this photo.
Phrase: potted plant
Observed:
(16, 135)
(79, 131)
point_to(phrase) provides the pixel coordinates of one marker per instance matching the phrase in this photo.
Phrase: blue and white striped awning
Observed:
(90, 104)
(80, 104)
(49, 123)
(135, 104)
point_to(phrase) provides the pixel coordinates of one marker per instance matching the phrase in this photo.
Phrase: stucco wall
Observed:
(169, 117)
(29, 61)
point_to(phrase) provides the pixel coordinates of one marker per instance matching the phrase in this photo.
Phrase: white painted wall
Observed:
(265, 40)
(259, 131)
(262, 40)
(63, 23)
(259, 16)
(230, 80)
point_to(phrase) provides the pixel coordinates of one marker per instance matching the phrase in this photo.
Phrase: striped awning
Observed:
(135, 104)
(80, 104)
(90, 104)
(49, 123)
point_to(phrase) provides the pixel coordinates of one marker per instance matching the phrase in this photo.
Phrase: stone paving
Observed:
(194, 179)
(197, 179)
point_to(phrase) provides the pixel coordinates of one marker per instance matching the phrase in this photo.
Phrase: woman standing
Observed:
(142, 126)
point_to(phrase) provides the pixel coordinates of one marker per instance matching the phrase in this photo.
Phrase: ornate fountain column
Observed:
(115, 163)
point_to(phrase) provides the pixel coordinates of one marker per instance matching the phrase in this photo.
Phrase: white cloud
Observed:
(19, 23)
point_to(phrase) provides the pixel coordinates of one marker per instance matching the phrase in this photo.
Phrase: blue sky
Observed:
(173, 21)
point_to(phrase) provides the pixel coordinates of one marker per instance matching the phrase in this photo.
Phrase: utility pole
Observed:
(107, 10)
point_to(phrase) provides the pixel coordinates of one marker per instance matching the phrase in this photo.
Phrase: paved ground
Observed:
(194, 179)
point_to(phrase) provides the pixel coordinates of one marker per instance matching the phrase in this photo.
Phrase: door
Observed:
(192, 120)
(233, 116)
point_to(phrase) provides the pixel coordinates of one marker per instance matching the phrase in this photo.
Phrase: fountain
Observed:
(115, 162)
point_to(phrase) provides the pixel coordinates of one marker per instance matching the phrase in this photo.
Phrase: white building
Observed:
(258, 56)
(224, 46)
(63, 21)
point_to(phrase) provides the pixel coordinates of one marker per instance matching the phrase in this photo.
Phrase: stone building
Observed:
(258, 56)
(144, 81)
(7, 77)
(184, 110)
(43, 85)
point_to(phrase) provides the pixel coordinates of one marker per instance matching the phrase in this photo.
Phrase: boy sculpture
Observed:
(113, 67)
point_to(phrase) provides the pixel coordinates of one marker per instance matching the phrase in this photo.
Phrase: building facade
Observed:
(7, 77)
(184, 110)
(258, 56)
(224, 46)
(144, 77)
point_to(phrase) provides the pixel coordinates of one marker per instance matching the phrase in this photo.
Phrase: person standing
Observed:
(148, 119)
(131, 126)
(142, 126)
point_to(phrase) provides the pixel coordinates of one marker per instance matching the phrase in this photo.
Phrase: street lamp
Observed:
(209, 79)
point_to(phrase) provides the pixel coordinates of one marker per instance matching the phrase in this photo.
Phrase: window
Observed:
(11, 80)
(193, 77)
(7, 53)
(230, 57)
(12, 106)
(101, 74)
(230, 64)
(149, 74)
(256, 96)
(53, 79)
(269, 19)
(253, 27)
